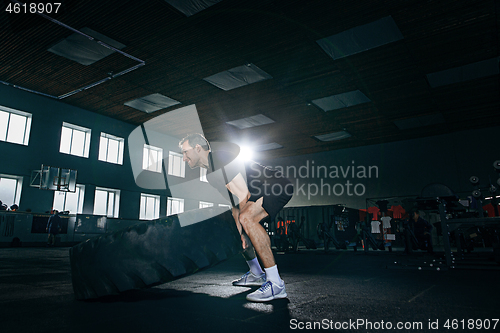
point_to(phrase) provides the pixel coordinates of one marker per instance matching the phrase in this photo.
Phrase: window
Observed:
(176, 166)
(203, 175)
(204, 204)
(111, 149)
(152, 158)
(175, 206)
(10, 189)
(70, 201)
(150, 207)
(75, 140)
(106, 202)
(15, 126)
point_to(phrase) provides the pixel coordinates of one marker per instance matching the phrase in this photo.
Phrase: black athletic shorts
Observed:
(275, 190)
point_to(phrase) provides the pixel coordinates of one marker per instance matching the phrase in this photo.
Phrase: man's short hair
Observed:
(196, 139)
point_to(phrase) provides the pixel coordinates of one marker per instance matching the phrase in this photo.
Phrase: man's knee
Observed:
(246, 218)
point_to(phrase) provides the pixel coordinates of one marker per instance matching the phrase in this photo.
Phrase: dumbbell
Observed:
(496, 165)
(474, 180)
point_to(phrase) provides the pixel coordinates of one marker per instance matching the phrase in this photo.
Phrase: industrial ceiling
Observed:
(313, 76)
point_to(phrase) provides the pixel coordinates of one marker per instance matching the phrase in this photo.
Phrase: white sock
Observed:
(255, 267)
(273, 275)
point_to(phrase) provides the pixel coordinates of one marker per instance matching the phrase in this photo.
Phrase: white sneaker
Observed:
(250, 279)
(267, 292)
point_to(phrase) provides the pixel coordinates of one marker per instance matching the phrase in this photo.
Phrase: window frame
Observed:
(143, 212)
(19, 187)
(80, 191)
(116, 202)
(27, 125)
(173, 159)
(86, 143)
(121, 145)
(203, 175)
(145, 161)
(170, 200)
(205, 204)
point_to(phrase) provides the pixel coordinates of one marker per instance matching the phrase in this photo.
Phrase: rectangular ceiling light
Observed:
(152, 103)
(191, 7)
(333, 136)
(421, 121)
(340, 101)
(254, 121)
(464, 73)
(83, 50)
(268, 146)
(361, 38)
(238, 77)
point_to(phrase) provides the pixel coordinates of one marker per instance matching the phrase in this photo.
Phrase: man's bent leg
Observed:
(255, 276)
(250, 217)
(251, 258)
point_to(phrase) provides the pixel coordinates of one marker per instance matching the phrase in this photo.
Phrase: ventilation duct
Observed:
(91, 85)
(340, 101)
(238, 77)
(152, 103)
(333, 136)
(268, 146)
(361, 38)
(254, 121)
(83, 50)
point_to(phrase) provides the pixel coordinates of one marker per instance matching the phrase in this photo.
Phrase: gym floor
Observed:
(340, 291)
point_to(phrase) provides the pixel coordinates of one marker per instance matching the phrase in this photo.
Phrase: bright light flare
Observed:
(246, 153)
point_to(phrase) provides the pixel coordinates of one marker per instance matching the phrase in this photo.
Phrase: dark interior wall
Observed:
(404, 168)
(47, 118)
(398, 168)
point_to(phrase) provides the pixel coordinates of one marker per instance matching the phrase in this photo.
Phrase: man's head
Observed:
(195, 149)
(416, 215)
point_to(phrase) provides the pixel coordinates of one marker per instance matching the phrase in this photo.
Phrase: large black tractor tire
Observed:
(152, 253)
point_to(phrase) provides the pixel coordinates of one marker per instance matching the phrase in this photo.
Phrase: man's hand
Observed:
(245, 241)
(236, 217)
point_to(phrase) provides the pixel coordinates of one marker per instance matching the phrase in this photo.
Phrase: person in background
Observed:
(53, 228)
(422, 229)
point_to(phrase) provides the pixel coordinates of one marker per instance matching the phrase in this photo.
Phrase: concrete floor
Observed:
(346, 288)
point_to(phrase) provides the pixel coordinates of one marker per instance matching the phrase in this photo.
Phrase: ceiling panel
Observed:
(280, 38)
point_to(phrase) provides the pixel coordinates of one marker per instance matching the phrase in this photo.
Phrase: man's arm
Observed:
(238, 187)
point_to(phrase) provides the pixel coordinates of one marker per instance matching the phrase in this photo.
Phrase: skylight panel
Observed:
(340, 101)
(191, 7)
(254, 121)
(152, 103)
(361, 38)
(421, 121)
(268, 146)
(464, 73)
(237, 77)
(335, 136)
(83, 50)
